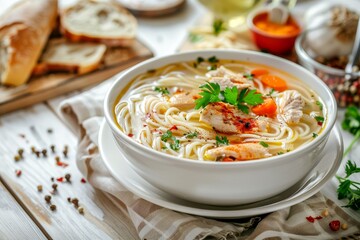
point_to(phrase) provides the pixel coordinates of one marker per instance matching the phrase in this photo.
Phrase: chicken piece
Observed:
(237, 152)
(291, 106)
(226, 78)
(225, 118)
(184, 100)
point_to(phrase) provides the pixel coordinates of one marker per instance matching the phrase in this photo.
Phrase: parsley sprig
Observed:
(211, 93)
(348, 188)
(190, 135)
(351, 123)
(161, 90)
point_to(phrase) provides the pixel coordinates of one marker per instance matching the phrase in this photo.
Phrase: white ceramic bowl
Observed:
(218, 183)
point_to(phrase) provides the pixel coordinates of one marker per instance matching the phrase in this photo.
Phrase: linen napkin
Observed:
(84, 114)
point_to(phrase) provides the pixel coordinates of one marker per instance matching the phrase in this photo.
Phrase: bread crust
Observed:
(24, 31)
(123, 41)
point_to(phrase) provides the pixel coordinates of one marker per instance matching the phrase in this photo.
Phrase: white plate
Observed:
(311, 184)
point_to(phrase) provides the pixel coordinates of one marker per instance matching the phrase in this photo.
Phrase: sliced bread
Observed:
(63, 56)
(103, 22)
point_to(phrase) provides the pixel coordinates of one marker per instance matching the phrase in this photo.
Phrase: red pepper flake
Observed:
(310, 219)
(318, 217)
(60, 179)
(173, 128)
(320, 123)
(62, 164)
(148, 115)
(130, 135)
(18, 172)
(83, 180)
(334, 225)
(144, 125)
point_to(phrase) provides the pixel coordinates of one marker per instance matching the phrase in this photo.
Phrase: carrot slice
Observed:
(267, 108)
(274, 82)
(259, 71)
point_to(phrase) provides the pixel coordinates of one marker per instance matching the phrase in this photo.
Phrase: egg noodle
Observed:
(145, 113)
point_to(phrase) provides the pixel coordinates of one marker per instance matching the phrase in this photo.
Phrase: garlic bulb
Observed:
(335, 30)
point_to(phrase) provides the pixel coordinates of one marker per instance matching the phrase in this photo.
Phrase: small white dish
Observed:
(120, 169)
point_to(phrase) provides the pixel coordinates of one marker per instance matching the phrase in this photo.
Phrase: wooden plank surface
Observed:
(11, 214)
(52, 85)
(29, 127)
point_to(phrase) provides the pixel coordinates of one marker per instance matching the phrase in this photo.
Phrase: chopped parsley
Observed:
(320, 105)
(212, 67)
(319, 119)
(211, 93)
(279, 153)
(314, 135)
(221, 140)
(264, 144)
(162, 90)
(175, 145)
(213, 59)
(218, 26)
(166, 136)
(249, 76)
(200, 60)
(272, 91)
(191, 134)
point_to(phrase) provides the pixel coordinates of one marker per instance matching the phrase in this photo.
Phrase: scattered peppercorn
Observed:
(52, 147)
(48, 198)
(18, 172)
(65, 152)
(69, 199)
(37, 153)
(50, 130)
(68, 177)
(33, 149)
(325, 213)
(81, 210)
(83, 180)
(54, 186)
(52, 179)
(344, 226)
(334, 225)
(21, 152)
(40, 188)
(53, 207)
(75, 201)
(57, 159)
(44, 152)
(17, 158)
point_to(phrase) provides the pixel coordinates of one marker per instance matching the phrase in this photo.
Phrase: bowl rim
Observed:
(253, 27)
(300, 51)
(159, 156)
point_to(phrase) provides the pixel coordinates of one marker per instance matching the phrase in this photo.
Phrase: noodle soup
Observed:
(219, 110)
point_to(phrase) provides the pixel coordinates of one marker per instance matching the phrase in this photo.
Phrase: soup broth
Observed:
(219, 110)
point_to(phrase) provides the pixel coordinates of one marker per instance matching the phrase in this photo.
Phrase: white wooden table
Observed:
(24, 214)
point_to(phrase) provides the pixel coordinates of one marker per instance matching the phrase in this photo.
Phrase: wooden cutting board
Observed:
(42, 88)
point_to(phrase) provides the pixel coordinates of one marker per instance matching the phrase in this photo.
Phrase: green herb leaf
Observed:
(221, 140)
(166, 136)
(314, 135)
(351, 168)
(195, 37)
(213, 59)
(191, 134)
(175, 145)
(243, 108)
(351, 123)
(264, 144)
(164, 147)
(252, 98)
(231, 95)
(344, 189)
(200, 59)
(210, 93)
(249, 76)
(319, 119)
(279, 153)
(320, 105)
(212, 67)
(218, 26)
(162, 90)
(272, 91)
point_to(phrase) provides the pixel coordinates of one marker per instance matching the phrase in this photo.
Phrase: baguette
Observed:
(24, 31)
(63, 56)
(102, 22)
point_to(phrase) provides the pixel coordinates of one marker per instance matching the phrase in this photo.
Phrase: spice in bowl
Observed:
(273, 37)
